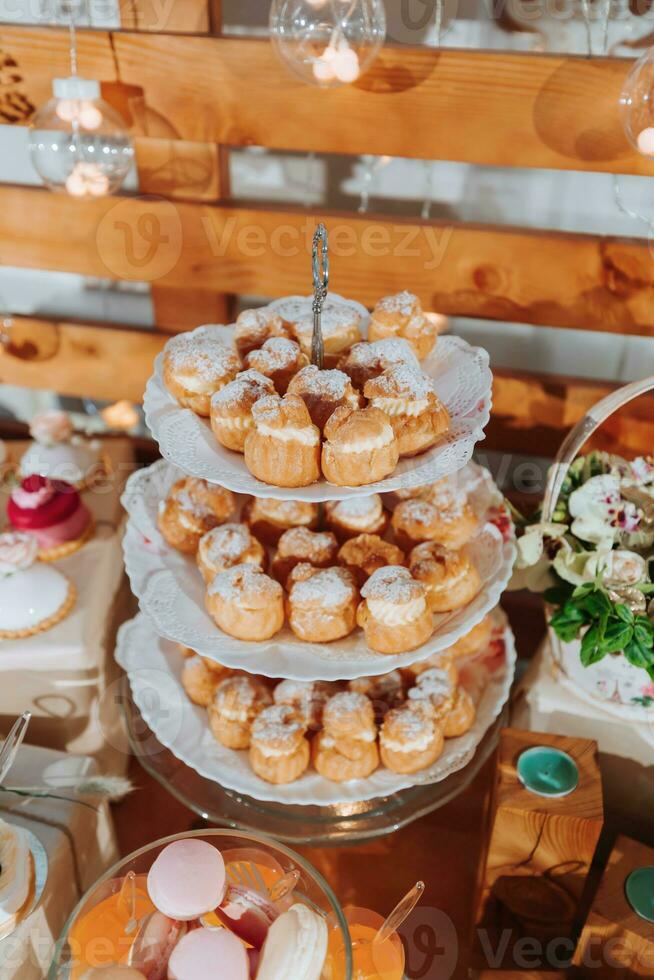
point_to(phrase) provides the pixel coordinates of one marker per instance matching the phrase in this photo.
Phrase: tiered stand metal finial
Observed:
(320, 259)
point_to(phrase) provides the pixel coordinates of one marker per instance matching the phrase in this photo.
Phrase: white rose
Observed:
(617, 568)
(52, 427)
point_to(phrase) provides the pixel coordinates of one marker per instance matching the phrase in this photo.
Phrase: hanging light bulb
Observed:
(638, 105)
(328, 42)
(78, 142)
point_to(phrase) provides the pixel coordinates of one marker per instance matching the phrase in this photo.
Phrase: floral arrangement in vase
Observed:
(593, 563)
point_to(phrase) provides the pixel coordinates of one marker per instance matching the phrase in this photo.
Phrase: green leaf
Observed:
(639, 655)
(644, 631)
(583, 590)
(597, 604)
(623, 612)
(591, 649)
(617, 636)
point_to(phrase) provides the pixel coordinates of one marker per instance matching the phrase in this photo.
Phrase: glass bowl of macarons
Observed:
(205, 905)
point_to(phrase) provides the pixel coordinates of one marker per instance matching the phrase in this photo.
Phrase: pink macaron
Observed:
(187, 880)
(206, 954)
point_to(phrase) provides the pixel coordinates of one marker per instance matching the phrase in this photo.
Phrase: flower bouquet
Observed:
(593, 562)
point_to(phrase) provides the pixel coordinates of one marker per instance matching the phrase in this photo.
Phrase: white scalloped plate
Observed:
(463, 381)
(154, 666)
(171, 591)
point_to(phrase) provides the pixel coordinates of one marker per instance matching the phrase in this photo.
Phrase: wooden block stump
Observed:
(616, 942)
(539, 852)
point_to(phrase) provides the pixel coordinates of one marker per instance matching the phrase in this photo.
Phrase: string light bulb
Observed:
(637, 105)
(78, 142)
(328, 42)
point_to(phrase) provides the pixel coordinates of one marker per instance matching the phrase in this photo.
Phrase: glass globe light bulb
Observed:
(637, 103)
(78, 142)
(328, 42)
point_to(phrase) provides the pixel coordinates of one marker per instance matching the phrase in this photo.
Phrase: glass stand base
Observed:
(294, 824)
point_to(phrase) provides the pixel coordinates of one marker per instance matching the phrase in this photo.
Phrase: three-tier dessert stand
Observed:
(168, 734)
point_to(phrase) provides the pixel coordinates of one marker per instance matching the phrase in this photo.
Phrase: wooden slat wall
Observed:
(491, 108)
(565, 280)
(496, 108)
(187, 16)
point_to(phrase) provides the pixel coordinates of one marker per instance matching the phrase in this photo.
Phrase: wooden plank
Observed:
(548, 278)
(532, 413)
(184, 16)
(487, 107)
(78, 360)
(179, 170)
(178, 309)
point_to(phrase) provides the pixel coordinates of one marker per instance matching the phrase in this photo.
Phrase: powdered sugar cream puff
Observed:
(394, 615)
(283, 449)
(196, 365)
(322, 603)
(245, 603)
(360, 447)
(231, 408)
(401, 315)
(417, 415)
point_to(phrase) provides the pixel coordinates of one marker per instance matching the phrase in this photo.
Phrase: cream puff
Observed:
(279, 359)
(356, 515)
(323, 392)
(409, 741)
(476, 641)
(283, 448)
(451, 579)
(298, 545)
(231, 408)
(401, 315)
(451, 523)
(268, 517)
(417, 415)
(199, 681)
(255, 327)
(461, 716)
(226, 546)
(340, 325)
(347, 747)
(196, 366)
(279, 749)
(366, 553)
(246, 603)
(433, 692)
(322, 603)
(360, 447)
(236, 703)
(307, 698)
(192, 508)
(366, 361)
(385, 691)
(443, 660)
(394, 615)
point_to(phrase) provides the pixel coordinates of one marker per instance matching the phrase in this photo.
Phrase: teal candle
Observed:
(547, 771)
(639, 888)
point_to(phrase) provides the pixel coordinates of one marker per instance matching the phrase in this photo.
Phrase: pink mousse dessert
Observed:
(52, 512)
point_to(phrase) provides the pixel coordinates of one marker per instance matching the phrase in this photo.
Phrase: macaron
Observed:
(296, 946)
(206, 954)
(187, 880)
(113, 972)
